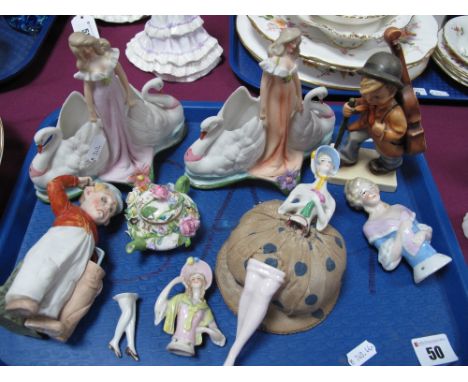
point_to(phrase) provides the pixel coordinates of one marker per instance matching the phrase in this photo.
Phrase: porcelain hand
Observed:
(84, 181)
(215, 334)
(160, 306)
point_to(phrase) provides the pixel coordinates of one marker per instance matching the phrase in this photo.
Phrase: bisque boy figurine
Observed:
(394, 230)
(53, 268)
(187, 315)
(381, 117)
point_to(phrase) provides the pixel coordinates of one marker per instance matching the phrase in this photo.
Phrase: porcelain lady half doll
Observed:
(270, 274)
(309, 201)
(280, 99)
(108, 96)
(394, 230)
(187, 315)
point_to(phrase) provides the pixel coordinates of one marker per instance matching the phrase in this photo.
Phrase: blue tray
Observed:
(17, 49)
(387, 309)
(433, 78)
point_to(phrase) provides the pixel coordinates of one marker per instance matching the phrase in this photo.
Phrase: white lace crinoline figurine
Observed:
(176, 48)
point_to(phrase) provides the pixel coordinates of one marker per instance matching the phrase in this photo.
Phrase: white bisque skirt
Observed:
(52, 267)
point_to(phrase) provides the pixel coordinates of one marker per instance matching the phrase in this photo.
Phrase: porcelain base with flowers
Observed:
(161, 217)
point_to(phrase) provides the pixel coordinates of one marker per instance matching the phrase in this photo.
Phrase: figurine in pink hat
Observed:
(187, 314)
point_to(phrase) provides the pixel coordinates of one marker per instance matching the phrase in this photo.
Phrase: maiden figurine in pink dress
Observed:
(108, 96)
(280, 99)
(187, 314)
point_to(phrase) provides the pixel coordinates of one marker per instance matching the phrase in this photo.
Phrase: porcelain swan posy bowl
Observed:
(232, 142)
(64, 149)
(79, 147)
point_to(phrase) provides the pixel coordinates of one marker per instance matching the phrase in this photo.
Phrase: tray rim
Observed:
(39, 39)
(194, 111)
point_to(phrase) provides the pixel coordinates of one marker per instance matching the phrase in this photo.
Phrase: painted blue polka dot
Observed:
(278, 304)
(311, 299)
(281, 229)
(300, 268)
(296, 200)
(271, 262)
(318, 314)
(330, 265)
(269, 248)
(338, 242)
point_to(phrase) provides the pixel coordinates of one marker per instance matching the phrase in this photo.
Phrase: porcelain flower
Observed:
(188, 226)
(160, 192)
(288, 180)
(140, 178)
(161, 229)
(150, 244)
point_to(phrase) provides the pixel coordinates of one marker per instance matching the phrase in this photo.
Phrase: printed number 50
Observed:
(436, 353)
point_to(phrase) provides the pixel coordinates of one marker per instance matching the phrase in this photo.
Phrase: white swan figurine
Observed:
(231, 142)
(314, 126)
(79, 147)
(156, 119)
(68, 148)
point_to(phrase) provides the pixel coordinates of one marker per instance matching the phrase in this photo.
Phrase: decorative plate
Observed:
(352, 36)
(314, 72)
(456, 37)
(450, 64)
(353, 20)
(118, 19)
(419, 39)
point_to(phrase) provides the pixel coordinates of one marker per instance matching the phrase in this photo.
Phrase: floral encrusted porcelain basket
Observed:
(160, 217)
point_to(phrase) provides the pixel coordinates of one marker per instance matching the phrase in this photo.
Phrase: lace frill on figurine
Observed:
(177, 48)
